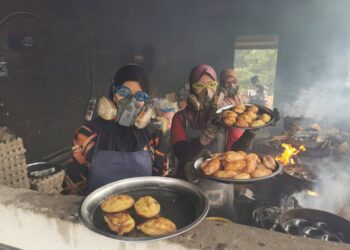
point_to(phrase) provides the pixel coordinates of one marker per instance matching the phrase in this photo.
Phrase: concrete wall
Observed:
(45, 110)
(37, 221)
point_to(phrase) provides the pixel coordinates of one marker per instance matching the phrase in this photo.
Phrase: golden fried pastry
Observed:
(242, 153)
(251, 115)
(261, 172)
(120, 223)
(219, 156)
(253, 156)
(211, 166)
(251, 165)
(225, 173)
(269, 162)
(244, 117)
(253, 109)
(257, 123)
(260, 165)
(117, 203)
(235, 165)
(239, 108)
(147, 207)
(157, 226)
(229, 118)
(233, 156)
(265, 118)
(242, 176)
(242, 123)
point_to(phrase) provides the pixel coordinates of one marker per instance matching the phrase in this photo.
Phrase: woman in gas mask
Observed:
(229, 81)
(196, 129)
(120, 143)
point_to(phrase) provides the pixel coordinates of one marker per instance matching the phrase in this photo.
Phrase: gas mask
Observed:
(232, 89)
(127, 113)
(207, 97)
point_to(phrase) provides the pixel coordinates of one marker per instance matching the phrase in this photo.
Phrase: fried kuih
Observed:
(211, 166)
(240, 165)
(157, 226)
(225, 173)
(257, 123)
(261, 172)
(117, 203)
(253, 109)
(265, 117)
(147, 207)
(245, 116)
(242, 176)
(229, 118)
(120, 223)
(239, 108)
(269, 162)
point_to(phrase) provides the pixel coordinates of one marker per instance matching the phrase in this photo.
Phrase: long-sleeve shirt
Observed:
(111, 136)
(185, 150)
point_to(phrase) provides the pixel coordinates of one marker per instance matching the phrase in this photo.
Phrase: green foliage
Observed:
(260, 62)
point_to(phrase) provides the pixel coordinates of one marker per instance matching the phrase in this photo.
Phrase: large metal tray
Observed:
(182, 202)
(262, 110)
(197, 168)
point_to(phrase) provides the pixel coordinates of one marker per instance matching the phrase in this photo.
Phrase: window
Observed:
(255, 60)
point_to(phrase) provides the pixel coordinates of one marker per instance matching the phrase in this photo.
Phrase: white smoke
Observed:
(333, 179)
(325, 103)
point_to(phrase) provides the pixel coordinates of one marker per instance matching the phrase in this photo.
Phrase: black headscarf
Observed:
(130, 73)
(113, 136)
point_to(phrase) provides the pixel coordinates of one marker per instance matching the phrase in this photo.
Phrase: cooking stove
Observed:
(271, 218)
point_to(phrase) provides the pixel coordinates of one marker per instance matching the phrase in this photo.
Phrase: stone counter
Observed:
(32, 220)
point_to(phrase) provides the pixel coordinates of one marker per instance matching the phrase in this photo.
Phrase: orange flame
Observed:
(312, 193)
(288, 153)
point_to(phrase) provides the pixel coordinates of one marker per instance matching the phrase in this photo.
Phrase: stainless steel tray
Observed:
(197, 168)
(274, 114)
(182, 202)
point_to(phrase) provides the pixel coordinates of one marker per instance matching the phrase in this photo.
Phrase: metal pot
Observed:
(300, 175)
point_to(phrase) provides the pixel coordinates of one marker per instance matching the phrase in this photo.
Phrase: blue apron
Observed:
(108, 166)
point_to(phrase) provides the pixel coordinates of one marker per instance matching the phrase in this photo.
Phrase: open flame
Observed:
(312, 193)
(289, 151)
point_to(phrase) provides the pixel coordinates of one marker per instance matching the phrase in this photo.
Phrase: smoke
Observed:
(325, 103)
(333, 179)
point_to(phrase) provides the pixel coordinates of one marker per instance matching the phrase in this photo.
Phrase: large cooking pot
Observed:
(300, 175)
(315, 224)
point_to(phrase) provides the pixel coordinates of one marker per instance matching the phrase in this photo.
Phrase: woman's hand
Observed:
(211, 131)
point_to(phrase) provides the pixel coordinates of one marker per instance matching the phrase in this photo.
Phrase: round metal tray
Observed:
(262, 110)
(181, 202)
(197, 168)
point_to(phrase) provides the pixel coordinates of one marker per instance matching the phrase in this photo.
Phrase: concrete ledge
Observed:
(32, 220)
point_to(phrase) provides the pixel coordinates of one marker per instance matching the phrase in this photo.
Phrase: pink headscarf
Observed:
(200, 70)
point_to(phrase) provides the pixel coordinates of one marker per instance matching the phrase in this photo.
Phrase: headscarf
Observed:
(130, 73)
(226, 74)
(198, 71)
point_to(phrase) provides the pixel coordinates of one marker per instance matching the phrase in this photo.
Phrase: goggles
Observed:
(124, 91)
(201, 85)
